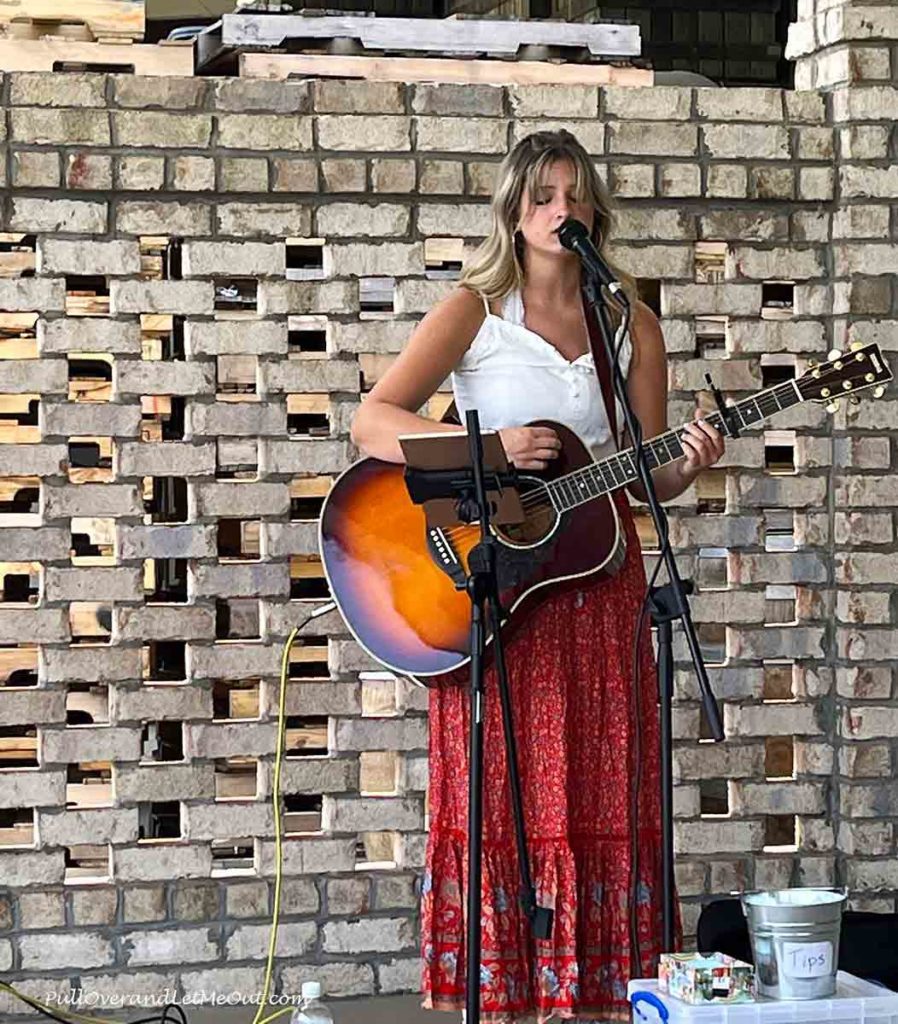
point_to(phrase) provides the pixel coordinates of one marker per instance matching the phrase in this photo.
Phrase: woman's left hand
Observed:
(702, 445)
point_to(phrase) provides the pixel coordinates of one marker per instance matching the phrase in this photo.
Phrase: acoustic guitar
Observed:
(399, 581)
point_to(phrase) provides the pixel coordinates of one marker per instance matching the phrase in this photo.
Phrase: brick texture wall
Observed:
(172, 415)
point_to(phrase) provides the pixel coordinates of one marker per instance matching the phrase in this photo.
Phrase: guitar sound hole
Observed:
(540, 520)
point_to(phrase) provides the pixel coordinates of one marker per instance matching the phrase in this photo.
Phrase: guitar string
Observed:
(539, 498)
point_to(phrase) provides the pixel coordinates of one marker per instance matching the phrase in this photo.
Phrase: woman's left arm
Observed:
(647, 389)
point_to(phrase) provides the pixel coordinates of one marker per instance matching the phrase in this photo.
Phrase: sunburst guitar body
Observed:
(400, 583)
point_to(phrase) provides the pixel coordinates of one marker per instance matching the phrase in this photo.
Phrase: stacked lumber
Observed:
(114, 21)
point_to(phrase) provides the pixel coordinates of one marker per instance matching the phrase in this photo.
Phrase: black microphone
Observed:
(574, 235)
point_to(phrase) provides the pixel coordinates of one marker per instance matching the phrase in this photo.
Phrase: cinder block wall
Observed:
(142, 622)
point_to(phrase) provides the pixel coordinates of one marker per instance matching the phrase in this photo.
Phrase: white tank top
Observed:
(511, 375)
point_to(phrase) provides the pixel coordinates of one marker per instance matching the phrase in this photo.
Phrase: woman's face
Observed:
(554, 201)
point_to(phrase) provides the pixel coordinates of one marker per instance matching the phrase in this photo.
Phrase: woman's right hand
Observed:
(530, 447)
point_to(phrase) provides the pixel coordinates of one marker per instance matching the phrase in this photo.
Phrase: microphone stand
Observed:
(671, 602)
(469, 486)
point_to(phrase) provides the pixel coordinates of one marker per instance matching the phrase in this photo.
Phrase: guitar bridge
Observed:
(443, 553)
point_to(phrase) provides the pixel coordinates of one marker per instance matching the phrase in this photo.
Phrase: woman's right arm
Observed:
(434, 349)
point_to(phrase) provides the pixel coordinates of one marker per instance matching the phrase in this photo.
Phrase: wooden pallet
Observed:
(54, 53)
(491, 37)
(434, 69)
(112, 20)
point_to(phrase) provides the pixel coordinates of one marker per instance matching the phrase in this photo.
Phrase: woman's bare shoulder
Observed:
(457, 315)
(645, 330)
(464, 301)
(643, 314)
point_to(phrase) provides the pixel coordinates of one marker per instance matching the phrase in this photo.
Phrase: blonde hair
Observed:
(496, 267)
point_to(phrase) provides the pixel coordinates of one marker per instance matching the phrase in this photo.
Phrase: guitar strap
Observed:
(603, 370)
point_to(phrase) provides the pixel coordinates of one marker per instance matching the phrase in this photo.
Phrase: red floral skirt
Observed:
(583, 764)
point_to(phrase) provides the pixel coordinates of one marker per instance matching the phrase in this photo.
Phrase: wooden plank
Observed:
(378, 771)
(373, 367)
(160, 59)
(244, 703)
(302, 822)
(11, 485)
(309, 486)
(18, 748)
(308, 404)
(86, 304)
(304, 567)
(314, 653)
(14, 434)
(18, 348)
(23, 323)
(441, 35)
(13, 659)
(89, 389)
(437, 405)
(155, 405)
(443, 250)
(235, 785)
(311, 736)
(91, 793)
(434, 69)
(380, 847)
(124, 18)
(94, 702)
(14, 264)
(15, 403)
(94, 475)
(155, 323)
(18, 835)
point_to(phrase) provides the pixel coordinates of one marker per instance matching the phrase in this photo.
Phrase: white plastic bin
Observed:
(856, 1002)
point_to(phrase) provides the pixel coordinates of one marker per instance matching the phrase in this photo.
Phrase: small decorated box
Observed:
(697, 979)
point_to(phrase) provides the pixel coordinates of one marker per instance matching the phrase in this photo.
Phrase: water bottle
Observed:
(311, 1010)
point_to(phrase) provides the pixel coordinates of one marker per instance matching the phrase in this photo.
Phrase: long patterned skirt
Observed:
(588, 756)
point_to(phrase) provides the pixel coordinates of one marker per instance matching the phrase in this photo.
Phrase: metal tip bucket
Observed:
(795, 940)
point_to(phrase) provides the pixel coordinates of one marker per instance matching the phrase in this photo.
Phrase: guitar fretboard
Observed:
(617, 470)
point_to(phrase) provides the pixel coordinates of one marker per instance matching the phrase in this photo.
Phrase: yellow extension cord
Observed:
(272, 943)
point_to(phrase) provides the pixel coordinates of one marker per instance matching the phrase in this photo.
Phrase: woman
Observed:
(514, 336)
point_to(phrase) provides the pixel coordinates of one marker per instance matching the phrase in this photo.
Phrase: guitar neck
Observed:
(618, 470)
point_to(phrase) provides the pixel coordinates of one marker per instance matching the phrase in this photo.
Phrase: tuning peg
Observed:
(812, 363)
(854, 400)
(833, 406)
(846, 385)
(825, 392)
(834, 353)
(879, 391)
(855, 345)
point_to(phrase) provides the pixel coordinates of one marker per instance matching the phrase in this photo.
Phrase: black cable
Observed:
(162, 1018)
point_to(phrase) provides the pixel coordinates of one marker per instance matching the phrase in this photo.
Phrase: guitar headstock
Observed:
(843, 375)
